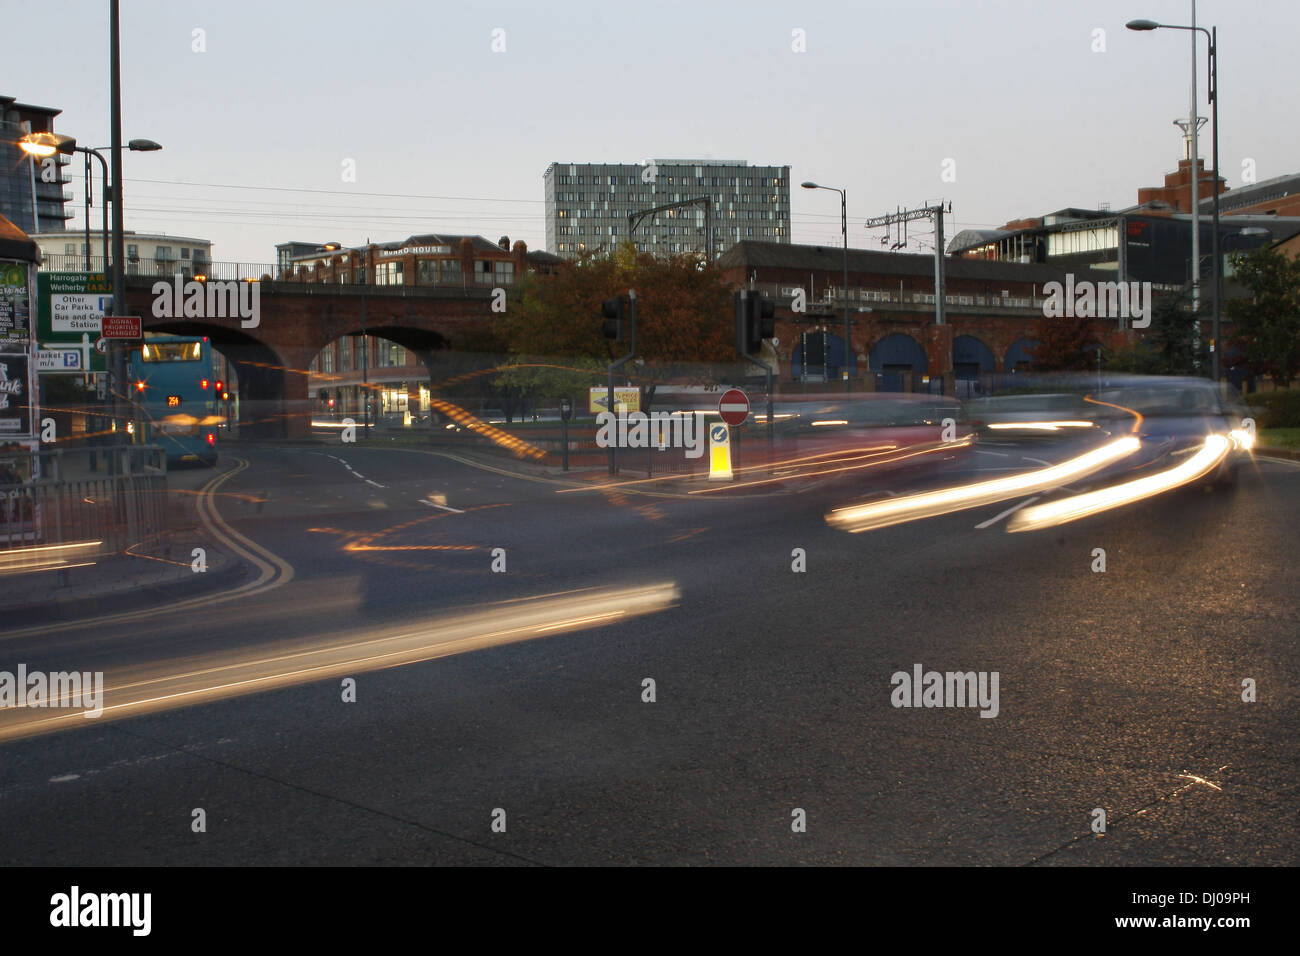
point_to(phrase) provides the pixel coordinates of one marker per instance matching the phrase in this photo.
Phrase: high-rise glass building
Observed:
(32, 195)
(587, 205)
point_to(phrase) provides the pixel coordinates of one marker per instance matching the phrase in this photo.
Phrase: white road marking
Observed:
(1014, 508)
(1037, 461)
(375, 483)
(981, 451)
(434, 504)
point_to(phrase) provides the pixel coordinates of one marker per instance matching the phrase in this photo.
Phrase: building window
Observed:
(426, 272)
(185, 253)
(504, 272)
(69, 248)
(482, 271)
(133, 251)
(451, 272)
(389, 273)
(345, 354)
(327, 359)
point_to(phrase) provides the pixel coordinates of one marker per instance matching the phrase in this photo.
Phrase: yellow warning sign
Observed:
(626, 399)
(719, 452)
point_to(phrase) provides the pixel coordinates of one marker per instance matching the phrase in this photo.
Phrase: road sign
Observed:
(101, 345)
(122, 327)
(58, 360)
(734, 406)
(719, 452)
(625, 399)
(70, 309)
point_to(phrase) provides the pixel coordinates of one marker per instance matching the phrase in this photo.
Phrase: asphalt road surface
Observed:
(498, 631)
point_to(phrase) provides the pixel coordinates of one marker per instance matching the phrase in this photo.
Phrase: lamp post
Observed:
(844, 227)
(1212, 37)
(42, 145)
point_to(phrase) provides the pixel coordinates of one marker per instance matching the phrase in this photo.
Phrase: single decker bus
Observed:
(173, 381)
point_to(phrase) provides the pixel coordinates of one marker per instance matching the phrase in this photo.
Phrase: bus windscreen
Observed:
(171, 352)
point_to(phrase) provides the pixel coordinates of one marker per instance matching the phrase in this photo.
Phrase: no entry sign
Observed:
(734, 406)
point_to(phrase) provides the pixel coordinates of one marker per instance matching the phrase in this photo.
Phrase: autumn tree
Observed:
(684, 323)
(1064, 343)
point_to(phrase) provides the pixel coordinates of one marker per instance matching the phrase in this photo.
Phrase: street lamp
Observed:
(1212, 37)
(844, 226)
(43, 145)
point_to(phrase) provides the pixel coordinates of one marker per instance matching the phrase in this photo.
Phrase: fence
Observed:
(163, 268)
(81, 515)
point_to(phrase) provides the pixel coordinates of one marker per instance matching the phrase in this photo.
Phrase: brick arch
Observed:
(297, 320)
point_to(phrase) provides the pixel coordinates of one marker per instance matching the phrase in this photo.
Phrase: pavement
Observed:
(150, 571)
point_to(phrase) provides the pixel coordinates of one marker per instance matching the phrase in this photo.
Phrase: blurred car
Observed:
(865, 434)
(1029, 416)
(1173, 417)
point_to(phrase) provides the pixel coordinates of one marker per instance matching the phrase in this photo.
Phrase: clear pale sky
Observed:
(449, 136)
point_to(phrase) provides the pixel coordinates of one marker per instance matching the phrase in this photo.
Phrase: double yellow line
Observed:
(272, 570)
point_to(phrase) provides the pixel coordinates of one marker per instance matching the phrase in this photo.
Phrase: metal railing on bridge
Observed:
(163, 268)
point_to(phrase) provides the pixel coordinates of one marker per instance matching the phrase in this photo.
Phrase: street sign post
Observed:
(70, 314)
(734, 406)
(719, 452)
(122, 327)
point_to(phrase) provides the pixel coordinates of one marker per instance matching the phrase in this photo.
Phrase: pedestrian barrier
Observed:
(81, 515)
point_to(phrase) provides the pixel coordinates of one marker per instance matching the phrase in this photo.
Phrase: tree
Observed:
(1267, 322)
(1064, 343)
(684, 322)
(1170, 346)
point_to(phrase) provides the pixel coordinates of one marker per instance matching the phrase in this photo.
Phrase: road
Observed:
(515, 699)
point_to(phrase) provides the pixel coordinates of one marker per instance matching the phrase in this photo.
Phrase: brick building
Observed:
(991, 307)
(423, 260)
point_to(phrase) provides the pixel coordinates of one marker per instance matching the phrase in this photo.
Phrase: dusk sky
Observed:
(449, 136)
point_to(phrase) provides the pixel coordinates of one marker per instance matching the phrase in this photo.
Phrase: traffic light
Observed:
(614, 312)
(221, 386)
(755, 321)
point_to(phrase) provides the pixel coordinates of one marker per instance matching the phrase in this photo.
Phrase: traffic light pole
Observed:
(751, 314)
(613, 367)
